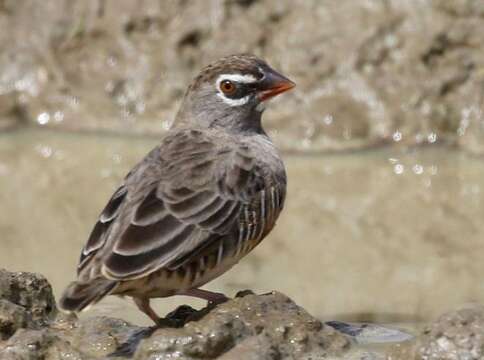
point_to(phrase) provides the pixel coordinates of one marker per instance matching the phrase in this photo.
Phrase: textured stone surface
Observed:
(404, 71)
(455, 335)
(38, 345)
(26, 300)
(271, 325)
(12, 318)
(252, 327)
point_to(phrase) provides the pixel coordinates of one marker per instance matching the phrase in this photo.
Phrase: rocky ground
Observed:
(269, 326)
(368, 72)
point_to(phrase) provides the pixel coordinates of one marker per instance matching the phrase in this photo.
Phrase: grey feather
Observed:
(214, 185)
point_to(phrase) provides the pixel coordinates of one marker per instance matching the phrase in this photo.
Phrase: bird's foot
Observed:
(213, 298)
(144, 305)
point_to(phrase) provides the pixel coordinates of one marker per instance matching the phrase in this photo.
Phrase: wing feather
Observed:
(119, 266)
(98, 235)
(187, 194)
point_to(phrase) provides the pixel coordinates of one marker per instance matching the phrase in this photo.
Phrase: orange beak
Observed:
(274, 84)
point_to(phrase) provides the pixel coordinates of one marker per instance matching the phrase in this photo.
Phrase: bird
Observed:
(198, 202)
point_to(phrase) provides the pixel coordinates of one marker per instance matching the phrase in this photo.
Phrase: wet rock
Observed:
(12, 318)
(26, 300)
(37, 345)
(266, 327)
(455, 335)
(100, 336)
(252, 327)
(31, 291)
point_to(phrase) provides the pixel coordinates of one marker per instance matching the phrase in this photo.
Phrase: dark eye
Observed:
(227, 87)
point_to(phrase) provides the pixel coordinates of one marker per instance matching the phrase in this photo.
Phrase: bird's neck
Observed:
(244, 123)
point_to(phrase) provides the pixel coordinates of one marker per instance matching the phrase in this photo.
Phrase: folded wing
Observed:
(190, 193)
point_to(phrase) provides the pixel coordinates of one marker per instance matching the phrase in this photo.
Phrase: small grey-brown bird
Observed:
(197, 203)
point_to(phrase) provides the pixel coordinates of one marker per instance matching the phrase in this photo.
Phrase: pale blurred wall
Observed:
(368, 71)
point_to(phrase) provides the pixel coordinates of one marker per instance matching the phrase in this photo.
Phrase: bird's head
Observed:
(231, 93)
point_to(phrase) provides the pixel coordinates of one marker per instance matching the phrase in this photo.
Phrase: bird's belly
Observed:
(165, 282)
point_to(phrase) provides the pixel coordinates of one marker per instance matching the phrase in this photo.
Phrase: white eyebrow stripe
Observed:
(246, 79)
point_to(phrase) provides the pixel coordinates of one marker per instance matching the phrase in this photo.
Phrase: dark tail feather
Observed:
(79, 295)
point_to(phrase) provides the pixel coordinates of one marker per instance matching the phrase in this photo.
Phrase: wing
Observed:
(186, 194)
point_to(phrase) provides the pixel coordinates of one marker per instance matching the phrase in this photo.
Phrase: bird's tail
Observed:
(79, 295)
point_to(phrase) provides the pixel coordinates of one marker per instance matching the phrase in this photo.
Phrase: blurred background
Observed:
(383, 139)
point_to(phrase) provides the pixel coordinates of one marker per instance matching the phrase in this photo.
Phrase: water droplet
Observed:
(397, 136)
(43, 118)
(328, 119)
(112, 61)
(418, 169)
(44, 150)
(398, 169)
(58, 116)
(117, 158)
(306, 143)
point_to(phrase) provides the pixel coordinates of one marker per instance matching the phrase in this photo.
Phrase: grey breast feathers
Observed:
(192, 190)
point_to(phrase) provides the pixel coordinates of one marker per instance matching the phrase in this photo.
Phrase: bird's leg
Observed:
(212, 297)
(144, 305)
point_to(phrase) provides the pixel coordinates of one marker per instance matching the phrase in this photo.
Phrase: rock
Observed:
(267, 326)
(272, 326)
(12, 318)
(31, 291)
(26, 300)
(38, 345)
(252, 327)
(100, 336)
(455, 335)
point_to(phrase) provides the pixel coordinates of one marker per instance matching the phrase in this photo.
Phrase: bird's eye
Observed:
(227, 87)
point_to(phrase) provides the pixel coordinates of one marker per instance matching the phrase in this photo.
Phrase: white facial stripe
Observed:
(245, 79)
(233, 102)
